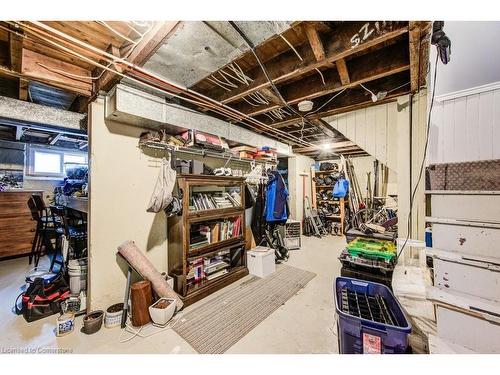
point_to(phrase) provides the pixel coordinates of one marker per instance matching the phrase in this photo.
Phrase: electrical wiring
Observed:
(412, 197)
(295, 50)
(222, 83)
(239, 72)
(116, 32)
(264, 70)
(396, 88)
(70, 75)
(138, 75)
(238, 79)
(218, 84)
(249, 102)
(150, 326)
(328, 101)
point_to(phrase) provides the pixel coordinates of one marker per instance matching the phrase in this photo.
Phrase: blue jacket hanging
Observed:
(276, 199)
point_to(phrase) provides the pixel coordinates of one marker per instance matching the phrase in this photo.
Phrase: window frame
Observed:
(30, 161)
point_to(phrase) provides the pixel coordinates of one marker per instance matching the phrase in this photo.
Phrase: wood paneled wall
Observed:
(466, 127)
(374, 129)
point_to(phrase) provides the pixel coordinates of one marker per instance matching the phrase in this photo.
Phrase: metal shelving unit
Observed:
(204, 153)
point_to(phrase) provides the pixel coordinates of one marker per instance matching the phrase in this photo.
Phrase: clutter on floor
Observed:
(370, 319)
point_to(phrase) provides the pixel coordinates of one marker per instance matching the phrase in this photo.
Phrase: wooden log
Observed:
(141, 297)
(143, 265)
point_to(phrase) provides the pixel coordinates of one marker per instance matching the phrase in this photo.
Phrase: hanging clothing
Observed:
(276, 209)
(258, 222)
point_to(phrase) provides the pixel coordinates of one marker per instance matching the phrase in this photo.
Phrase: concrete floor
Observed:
(305, 324)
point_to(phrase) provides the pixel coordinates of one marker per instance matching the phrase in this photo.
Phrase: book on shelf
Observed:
(208, 201)
(212, 232)
(217, 274)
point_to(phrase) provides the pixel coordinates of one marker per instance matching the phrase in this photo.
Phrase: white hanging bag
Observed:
(162, 194)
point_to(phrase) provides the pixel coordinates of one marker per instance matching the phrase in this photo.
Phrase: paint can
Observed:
(65, 324)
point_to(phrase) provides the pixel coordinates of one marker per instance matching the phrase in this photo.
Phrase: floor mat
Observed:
(215, 326)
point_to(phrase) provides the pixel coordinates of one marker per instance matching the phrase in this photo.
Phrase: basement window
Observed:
(51, 163)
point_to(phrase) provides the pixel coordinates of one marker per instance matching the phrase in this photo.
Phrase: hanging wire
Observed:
(218, 84)
(280, 33)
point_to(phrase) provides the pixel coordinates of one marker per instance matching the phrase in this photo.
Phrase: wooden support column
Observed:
(414, 47)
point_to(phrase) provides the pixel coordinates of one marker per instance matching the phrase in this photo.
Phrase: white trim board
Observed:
(470, 91)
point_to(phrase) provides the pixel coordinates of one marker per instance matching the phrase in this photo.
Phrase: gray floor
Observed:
(305, 324)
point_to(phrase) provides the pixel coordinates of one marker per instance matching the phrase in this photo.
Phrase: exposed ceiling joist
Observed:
(339, 46)
(315, 41)
(149, 44)
(343, 72)
(382, 63)
(56, 73)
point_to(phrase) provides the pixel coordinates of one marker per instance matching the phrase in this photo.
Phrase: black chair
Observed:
(74, 228)
(41, 238)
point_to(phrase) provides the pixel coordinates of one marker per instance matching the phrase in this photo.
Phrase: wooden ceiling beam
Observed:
(349, 39)
(51, 71)
(315, 41)
(382, 63)
(149, 44)
(343, 72)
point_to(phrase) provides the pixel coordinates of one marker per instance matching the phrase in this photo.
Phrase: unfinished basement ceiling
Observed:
(198, 48)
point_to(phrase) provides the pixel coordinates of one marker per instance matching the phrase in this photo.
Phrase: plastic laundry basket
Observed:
(358, 335)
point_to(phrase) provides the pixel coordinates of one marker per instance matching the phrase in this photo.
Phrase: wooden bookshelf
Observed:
(180, 254)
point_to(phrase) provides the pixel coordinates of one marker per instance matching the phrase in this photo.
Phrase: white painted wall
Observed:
(121, 182)
(466, 127)
(475, 53)
(298, 164)
(374, 129)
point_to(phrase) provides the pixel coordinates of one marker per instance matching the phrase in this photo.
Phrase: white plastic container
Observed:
(162, 316)
(261, 261)
(77, 271)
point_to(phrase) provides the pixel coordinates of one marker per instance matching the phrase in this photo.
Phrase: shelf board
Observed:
(214, 213)
(329, 171)
(199, 251)
(324, 186)
(204, 152)
(328, 201)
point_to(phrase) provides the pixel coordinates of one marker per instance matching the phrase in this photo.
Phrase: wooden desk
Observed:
(80, 204)
(17, 227)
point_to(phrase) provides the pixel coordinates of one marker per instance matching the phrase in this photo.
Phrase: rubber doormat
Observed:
(215, 326)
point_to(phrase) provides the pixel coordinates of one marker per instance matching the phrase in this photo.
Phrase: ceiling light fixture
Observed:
(375, 97)
(326, 146)
(305, 106)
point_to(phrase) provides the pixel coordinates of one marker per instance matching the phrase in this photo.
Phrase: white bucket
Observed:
(77, 271)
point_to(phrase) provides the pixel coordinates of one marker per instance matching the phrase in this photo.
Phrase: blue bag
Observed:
(341, 188)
